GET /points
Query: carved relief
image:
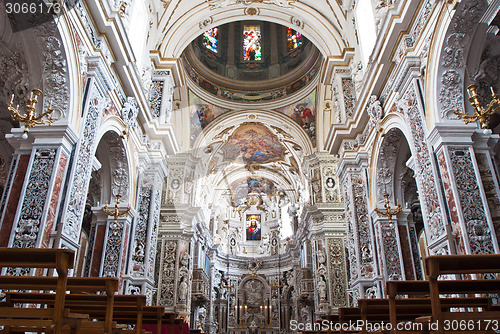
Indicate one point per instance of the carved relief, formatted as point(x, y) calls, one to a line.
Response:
point(55, 87)
point(349, 91)
point(82, 170)
point(223, 3)
point(28, 226)
point(367, 265)
point(452, 61)
point(478, 231)
point(374, 110)
point(140, 236)
point(167, 279)
point(338, 272)
point(129, 112)
point(424, 169)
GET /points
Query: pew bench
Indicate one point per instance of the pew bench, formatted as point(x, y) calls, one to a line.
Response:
point(51, 319)
point(438, 265)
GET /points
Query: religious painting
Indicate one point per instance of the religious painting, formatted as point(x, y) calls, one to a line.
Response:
point(253, 143)
point(211, 39)
point(304, 114)
point(252, 43)
point(253, 227)
point(201, 114)
point(294, 39)
point(242, 187)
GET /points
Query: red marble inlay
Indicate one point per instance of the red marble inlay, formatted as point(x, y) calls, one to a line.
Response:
point(406, 250)
point(95, 268)
point(51, 214)
point(450, 199)
point(124, 255)
point(13, 200)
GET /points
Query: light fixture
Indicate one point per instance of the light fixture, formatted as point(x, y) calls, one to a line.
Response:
point(388, 213)
point(116, 213)
point(480, 114)
point(30, 119)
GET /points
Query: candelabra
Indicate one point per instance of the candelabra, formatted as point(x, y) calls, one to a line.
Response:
point(30, 119)
point(277, 284)
point(388, 211)
point(480, 114)
point(116, 213)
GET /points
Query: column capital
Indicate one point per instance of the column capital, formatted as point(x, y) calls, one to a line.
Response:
point(352, 163)
point(55, 135)
point(446, 134)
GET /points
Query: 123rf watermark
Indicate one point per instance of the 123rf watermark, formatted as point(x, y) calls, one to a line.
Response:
point(447, 325)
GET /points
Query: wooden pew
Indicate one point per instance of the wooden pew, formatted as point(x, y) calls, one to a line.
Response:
point(75, 285)
point(79, 300)
point(409, 309)
point(438, 265)
point(59, 259)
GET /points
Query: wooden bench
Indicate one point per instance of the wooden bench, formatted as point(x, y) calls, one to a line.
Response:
point(79, 300)
point(438, 265)
point(59, 259)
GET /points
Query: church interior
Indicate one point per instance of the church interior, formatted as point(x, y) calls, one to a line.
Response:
point(248, 166)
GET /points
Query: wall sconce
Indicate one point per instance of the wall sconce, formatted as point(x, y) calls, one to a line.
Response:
point(30, 119)
point(480, 114)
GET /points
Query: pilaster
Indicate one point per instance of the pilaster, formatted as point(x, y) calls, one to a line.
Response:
point(34, 186)
point(364, 266)
point(470, 185)
point(142, 255)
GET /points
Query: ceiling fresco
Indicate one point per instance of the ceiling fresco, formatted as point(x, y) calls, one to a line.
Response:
point(241, 188)
point(201, 114)
point(253, 143)
point(304, 114)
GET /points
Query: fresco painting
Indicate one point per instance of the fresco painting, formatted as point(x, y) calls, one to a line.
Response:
point(242, 187)
point(201, 113)
point(304, 114)
point(253, 144)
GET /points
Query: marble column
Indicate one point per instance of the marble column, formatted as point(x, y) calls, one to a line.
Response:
point(116, 242)
point(364, 267)
point(389, 249)
point(470, 185)
point(34, 186)
point(424, 165)
point(141, 270)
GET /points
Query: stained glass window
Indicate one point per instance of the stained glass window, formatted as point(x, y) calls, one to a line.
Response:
point(211, 39)
point(294, 39)
point(251, 43)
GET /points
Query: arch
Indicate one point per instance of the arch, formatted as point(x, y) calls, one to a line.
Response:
point(317, 28)
point(208, 150)
point(114, 149)
point(452, 45)
point(393, 122)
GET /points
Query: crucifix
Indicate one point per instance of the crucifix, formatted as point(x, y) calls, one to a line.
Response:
point(388, 213)
point(116, 213)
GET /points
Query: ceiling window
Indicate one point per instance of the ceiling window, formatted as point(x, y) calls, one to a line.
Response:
point(294, 39)
point(211, 39)
point(252, 43)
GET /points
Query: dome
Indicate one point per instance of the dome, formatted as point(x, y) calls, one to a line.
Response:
point(251, 61)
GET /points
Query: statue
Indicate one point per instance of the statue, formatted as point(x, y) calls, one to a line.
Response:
point(183, 289)
point(305, 315)
point(321, 289)
point(321, 257)
point(374, 111)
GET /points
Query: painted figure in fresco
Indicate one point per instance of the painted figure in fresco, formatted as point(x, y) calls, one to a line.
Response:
point(253, 229)
point(306, 115)
point(205, 115)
